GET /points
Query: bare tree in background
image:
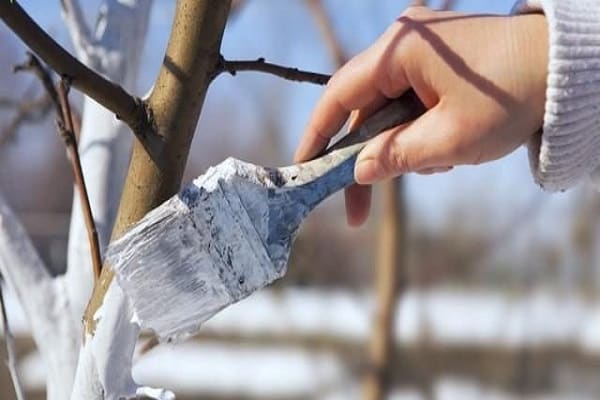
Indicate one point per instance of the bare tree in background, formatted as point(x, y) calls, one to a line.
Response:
point(391, 249)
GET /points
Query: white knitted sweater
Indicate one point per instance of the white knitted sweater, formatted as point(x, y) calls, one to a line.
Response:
point(569, 147)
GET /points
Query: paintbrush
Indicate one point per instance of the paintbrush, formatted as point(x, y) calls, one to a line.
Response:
point(229, 232)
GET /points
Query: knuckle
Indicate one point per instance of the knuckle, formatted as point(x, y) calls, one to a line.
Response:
point(399, 161)
point(333, 80)
point(415, 12)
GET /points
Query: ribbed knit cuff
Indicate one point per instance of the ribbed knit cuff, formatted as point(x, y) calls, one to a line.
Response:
point(568, 150)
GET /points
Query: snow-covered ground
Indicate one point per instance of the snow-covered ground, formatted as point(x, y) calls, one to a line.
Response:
point(450, 317)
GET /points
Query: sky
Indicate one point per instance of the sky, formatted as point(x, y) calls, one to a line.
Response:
point(283, 32)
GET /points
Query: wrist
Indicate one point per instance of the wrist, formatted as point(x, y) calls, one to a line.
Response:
point(529, 39)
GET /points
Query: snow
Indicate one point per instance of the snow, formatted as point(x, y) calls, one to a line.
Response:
point(231, 370)
point(448, 316)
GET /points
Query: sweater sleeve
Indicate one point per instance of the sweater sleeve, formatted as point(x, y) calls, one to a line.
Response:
point(568, 148)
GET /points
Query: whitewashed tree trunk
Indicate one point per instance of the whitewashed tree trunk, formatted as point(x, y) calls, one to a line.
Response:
point(113, 50)
point(55, 306)
point(45, 302)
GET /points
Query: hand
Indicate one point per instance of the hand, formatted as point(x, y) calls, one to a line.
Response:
point(482, 78)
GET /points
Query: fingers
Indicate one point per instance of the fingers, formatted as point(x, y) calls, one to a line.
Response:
point(427, 144)
point(358, 197)
point(355, 86)
point(358, 204)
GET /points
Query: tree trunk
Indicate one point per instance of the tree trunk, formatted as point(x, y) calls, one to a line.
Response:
point(390, 264)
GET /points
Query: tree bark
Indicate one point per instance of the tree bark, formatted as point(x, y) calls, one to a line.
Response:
point(390, 263)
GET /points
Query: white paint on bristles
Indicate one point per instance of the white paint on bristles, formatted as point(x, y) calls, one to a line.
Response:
point(202, 246)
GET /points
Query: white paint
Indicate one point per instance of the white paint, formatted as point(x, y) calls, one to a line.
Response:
point(201, 247)
point(44, 301)
point(114, 50)
point(105, 361)
point(105, 143)
point(11, 357)
point(158, 394)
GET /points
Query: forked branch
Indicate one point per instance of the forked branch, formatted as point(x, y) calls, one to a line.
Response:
point(112, 96)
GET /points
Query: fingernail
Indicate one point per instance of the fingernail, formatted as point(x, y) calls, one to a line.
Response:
point(368, 171)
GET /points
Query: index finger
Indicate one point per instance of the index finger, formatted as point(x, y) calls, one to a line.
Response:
point(357, 85)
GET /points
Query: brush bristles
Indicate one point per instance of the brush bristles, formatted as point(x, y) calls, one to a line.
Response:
point(190, 258)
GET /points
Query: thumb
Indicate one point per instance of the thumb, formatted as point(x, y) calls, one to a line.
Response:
point(419, 145)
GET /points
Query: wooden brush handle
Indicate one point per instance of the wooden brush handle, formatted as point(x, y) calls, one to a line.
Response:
point(314, 180)
point(402, 110)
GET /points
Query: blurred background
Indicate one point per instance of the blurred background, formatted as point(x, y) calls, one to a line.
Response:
point(473, 284)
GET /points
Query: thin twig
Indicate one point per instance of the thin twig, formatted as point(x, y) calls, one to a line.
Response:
point(66, 130)
point(260, 65)
point(331, 40)
point(6, 102)
point(33, 65)
point(10, 348)
point(27, 112)
point(50, 98)
point(112, 96)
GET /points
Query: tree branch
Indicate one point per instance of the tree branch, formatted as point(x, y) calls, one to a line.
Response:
point(10, 349)
point(260, 65)
point(67, 132)
point(33, 65)
point(6, 102)
point(128, 108)
point(35, 110)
